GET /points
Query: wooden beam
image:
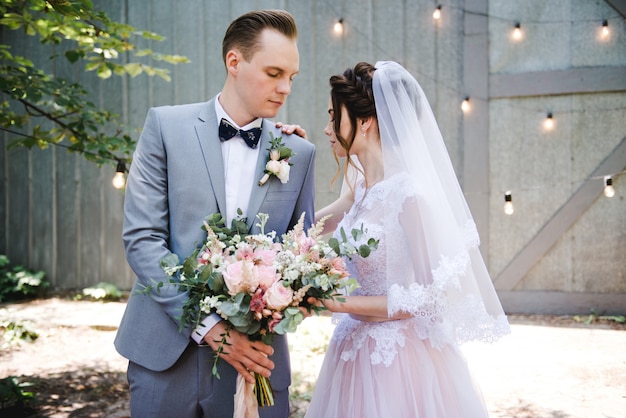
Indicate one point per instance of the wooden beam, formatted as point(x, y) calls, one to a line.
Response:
point(561, 221)
point(476, 121)
point(543, 83)
point(562, 303)
point(619, 6)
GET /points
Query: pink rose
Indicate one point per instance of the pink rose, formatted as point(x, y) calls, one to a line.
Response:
point(338, 266)
point(278, 296)
point(264, 257)
point(266, 276)
point(244, 252)
point(240, 277)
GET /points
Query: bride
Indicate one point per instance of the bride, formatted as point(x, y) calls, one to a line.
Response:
point(394, 351)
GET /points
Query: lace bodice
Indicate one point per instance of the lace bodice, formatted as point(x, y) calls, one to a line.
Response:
point(424, 286)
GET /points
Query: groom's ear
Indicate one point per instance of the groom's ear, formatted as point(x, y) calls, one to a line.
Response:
point(233, 58)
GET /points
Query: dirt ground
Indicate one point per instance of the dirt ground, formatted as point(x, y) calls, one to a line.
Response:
point(549, 367)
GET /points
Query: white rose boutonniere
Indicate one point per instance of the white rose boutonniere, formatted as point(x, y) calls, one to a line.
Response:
point(278, 161)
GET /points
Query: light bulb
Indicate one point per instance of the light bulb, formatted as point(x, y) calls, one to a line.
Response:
point(437, 13)
point(609, 190)
point(517, 31)
point(508, 204)
point(119, 180)
point(605, 29)
point(548, 124)
point(465, 105)
point(339, 27)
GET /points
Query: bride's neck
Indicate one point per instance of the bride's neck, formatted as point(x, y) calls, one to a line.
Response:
point(373, 165)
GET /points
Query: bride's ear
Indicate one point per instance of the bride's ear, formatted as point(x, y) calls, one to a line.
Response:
point(366, 123)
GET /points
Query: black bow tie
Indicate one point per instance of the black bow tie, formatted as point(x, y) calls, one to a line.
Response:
point(227, 131)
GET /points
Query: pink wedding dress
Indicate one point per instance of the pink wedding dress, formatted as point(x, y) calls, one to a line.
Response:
point(402, 368)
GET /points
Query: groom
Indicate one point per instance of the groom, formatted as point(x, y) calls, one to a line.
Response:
point(186, 166)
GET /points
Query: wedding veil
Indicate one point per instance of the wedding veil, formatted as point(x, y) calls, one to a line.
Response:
point(449, 293)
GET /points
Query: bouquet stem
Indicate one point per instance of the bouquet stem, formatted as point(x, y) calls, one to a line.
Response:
point(263, 390)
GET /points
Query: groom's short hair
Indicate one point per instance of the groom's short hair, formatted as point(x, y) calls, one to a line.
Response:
point(243, 32)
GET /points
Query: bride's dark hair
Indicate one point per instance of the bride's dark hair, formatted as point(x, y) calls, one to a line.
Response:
point(352, 90)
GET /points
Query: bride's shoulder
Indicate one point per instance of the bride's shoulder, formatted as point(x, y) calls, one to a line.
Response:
point(403, 185)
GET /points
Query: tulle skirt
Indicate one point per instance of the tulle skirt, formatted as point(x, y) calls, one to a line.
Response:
point(420, 381)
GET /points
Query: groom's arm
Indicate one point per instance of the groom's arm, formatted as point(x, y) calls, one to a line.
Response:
point(146, 230)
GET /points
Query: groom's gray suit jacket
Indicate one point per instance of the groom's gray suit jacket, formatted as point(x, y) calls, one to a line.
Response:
point(175, 181)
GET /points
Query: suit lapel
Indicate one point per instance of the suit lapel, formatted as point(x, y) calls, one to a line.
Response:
point(207, 132)
point(258, 192)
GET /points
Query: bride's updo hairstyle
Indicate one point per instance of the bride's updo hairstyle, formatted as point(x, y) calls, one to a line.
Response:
point(352, 90)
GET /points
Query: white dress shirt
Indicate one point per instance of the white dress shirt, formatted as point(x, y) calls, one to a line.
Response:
point(239, 170)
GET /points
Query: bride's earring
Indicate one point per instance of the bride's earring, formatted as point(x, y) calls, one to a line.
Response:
point(363, 133)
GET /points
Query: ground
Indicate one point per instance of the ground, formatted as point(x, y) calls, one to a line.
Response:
point(550, 367)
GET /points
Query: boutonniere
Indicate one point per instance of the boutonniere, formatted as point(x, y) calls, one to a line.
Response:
point(278, 161)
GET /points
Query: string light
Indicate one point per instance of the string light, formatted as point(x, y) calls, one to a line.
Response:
point(437, 13)
point(339, 27)
point(465, 105)
point(609, 190)
point(548, 123)
point(508, 203)
point(119, 179)
point(605, 29)
point(517, 31)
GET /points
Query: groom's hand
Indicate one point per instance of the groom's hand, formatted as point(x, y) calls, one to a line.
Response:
point(244, 355)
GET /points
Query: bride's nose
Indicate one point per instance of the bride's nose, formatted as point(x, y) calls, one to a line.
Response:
point(328, 130)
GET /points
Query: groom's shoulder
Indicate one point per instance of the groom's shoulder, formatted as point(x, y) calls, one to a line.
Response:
point(178, 109)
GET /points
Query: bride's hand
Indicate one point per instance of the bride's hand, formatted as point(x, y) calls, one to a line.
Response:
point(332, 304)
point(292, 129)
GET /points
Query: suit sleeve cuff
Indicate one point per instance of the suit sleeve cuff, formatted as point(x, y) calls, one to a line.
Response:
point(204, 327)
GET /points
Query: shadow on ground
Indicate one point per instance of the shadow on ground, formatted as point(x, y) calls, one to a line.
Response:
point(81, 393)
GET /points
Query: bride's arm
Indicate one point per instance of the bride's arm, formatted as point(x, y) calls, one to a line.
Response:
point(364, 308)
point(336, 210)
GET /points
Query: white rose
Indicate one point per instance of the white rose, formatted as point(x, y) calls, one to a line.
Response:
point(283, 172)
point(273, 166)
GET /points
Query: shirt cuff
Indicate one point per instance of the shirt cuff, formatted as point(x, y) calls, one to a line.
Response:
point(204, 327)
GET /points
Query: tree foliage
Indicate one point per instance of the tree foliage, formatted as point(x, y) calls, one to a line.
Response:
point(39, 109)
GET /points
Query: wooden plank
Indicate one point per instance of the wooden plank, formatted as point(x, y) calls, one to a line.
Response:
point(561, 303)
point(476, 120)
point(113, 266)
point(543, 83)
point(42, 249)
point(4, 194)
point(67, 197)
point(18, 208)
point(561, 221)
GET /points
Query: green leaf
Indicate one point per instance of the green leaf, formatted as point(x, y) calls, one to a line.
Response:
point(133, 69)
point(334, 244)
point(189, 266)
point(364, 251)
point(104, 71)
point(73, 55)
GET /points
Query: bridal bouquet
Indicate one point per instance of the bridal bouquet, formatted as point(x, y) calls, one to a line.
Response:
point(258, 285)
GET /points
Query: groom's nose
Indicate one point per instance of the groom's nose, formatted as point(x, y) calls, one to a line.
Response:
point(284, 86)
